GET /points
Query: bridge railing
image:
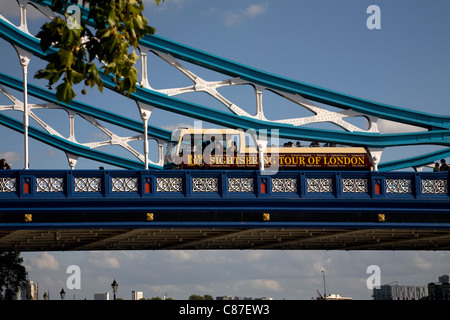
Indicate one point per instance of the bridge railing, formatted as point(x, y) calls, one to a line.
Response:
point(220, 184)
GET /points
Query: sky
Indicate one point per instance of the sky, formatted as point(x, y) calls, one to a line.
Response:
point(325, 43)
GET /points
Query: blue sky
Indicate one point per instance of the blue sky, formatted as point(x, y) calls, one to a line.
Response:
point(325, 43)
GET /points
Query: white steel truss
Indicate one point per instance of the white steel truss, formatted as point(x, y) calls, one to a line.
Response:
point(321, 114)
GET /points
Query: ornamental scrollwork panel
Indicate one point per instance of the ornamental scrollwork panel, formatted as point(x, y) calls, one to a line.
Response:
point(319, 185)
point(49, 184)
point(240, 185)
point(168, 184)
point(354, 185)
point(284, 185)
point(124, 184)
point(7, 184)
point(205, 184)
point(434, 186)
point(87, 184)
point(398, 186)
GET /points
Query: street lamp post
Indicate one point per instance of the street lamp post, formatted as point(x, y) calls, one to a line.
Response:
point(324, 287)
point(114, 287)
point(62, 293)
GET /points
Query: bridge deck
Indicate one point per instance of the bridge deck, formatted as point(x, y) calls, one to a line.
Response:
point(115, 210)
point(223, 238)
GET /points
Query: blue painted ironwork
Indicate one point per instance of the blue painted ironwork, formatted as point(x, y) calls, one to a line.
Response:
point(415, 162)
point(438, 126)
point(85, 109)
point(276, 82)
point(95, 198)
point(373, 207)
point(165, 102)
point(73, 148)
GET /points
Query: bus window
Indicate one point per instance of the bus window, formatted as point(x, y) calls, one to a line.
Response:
point(232, 144)
point(170, 152)
point(214, 145)
point(250, 140)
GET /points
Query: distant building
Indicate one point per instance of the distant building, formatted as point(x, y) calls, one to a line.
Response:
point(137, 295)
point(397, 292)
point(101, 296)
point(30, 292)
point(444, 278)
point(263, 298)
point(439, 290)
point(225, 298)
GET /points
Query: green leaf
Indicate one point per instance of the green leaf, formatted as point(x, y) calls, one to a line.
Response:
point(104, 33)
point(112, 18)
point(65, 93)
point(94, 77)
point(66, 57)
point(76, 76)
point(119, 27)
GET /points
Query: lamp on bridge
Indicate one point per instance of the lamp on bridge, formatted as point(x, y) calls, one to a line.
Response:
point(62, 293)
point(114, 287)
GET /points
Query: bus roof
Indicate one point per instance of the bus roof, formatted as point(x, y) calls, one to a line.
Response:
point(177, 133)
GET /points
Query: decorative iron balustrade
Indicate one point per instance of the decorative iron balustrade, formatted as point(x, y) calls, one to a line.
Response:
point(87, 184)
point(7, 184)
point(284, 185)
point(126, 184)
point(319, 185)
point(355, 186)
point(168, 184)
point(205, 184)
point(211, 183)
point(240, 185)
point(398, 186)
point(434, 186)
point(49, 185)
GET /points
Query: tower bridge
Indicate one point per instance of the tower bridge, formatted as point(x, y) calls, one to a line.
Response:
point(143, 206)
point(113, 210)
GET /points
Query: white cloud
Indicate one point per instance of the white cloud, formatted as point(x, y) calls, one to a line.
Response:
point(237, 17)
point(253, 287)
point(178, 256)
point(320, 266)
point(254, 256)
point(103, 260)
point(256, 9)
point(266, 284)
point(10, 156)
point(422, 262)
point(44, 262)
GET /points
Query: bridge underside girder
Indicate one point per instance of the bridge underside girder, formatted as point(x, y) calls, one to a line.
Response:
point(223, 238)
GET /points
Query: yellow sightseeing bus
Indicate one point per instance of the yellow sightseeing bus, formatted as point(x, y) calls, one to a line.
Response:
point(195, 149)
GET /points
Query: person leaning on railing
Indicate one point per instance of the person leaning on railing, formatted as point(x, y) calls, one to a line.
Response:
point(444, 166)
point(4, 165)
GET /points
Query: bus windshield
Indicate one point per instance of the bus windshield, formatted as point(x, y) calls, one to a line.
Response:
point(190, 144)
point(170, 152)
